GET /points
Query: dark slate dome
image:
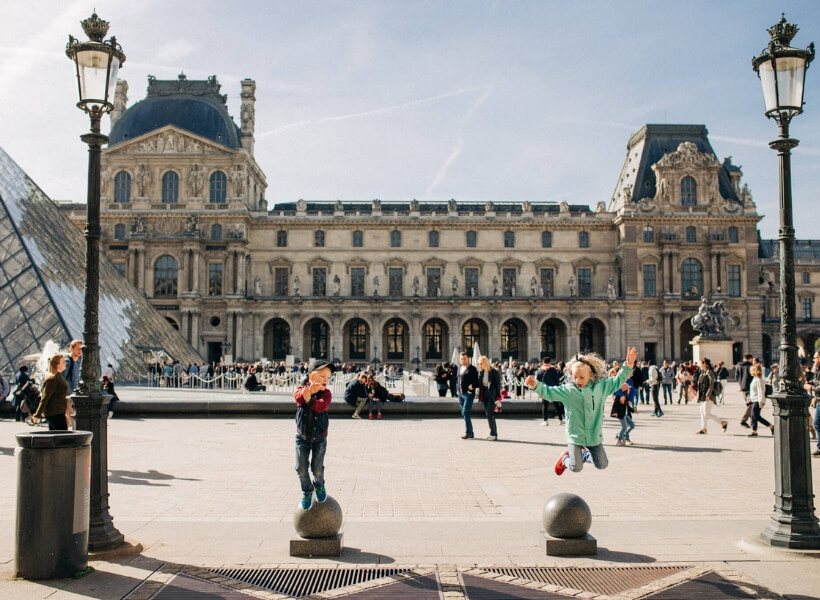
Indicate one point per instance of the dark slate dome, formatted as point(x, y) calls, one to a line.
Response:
point(195, 106)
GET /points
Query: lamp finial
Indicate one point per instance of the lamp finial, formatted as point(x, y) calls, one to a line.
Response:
point(95, 28)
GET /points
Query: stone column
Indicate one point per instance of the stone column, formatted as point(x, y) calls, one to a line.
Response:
point(240, 337)
point(141, 272)
point(196, 272)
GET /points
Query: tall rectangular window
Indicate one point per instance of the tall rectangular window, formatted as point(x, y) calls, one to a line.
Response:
point(508, 282)
point(395, 239)
point(471, 281)
point(396, 282)
point(281, 238)
point(319, 239)
point(583, 239)
point(734, 280)
point(733, 237)
point(548, 282)
point(649, 281)
point(546, 239)
point(319, 281)
point(584, 283)
point(649, 234)
point(691, 234)
point(358, 239)
point(432, 239)
point(280, 282)
point(509, 239)
point(806, 277)
point(433, 281)
point(357, 281)
point(214, 279)
point(805, 303)
point(471, 239)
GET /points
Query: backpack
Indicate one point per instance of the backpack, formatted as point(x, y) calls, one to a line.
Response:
point(717, 390)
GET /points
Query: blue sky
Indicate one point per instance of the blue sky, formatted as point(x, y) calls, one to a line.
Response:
point(472, 100)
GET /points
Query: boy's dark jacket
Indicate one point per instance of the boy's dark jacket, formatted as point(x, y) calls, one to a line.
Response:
point(311, 415)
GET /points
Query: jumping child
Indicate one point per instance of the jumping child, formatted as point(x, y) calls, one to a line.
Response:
point(583, 397)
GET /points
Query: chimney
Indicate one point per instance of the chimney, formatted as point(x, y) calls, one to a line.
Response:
point(248, 113)
point(120, 101)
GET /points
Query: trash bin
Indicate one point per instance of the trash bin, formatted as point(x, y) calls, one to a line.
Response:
point(53, 497)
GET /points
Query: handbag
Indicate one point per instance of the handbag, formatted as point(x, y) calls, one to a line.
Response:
point(769, 391)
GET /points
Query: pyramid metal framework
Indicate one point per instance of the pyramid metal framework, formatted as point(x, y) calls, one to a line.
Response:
point(42, 287)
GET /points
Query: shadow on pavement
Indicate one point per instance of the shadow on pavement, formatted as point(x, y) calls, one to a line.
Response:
point(143, 478)
point(621, 557)
point(356, 556)
point(100, 585)
point(7, 451)
point(686, 449)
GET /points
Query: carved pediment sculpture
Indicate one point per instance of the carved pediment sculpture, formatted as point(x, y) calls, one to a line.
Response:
point(687, 155)
point(646, 204)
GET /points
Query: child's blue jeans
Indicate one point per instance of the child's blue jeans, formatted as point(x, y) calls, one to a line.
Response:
point(304, 449)
point(578, 455)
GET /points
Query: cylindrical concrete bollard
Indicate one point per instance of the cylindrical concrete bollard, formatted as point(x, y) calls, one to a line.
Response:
point(53, 498)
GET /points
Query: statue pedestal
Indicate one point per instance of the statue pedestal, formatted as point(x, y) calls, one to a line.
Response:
point(715, 348)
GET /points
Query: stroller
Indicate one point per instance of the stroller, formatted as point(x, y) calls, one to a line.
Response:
point(28, 398)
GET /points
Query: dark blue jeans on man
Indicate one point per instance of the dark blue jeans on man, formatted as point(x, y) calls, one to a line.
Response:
point(466, 402)
point(310, 452)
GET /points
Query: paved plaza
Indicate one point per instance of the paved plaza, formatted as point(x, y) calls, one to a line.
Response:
point(200, 494)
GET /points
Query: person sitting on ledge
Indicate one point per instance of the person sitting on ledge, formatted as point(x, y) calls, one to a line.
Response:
point(252, 383)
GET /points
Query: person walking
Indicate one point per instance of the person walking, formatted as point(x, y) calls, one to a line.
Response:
point(54, 405)
point(757, 395)
point(706, 396)
point(549, 376)
point(744, 380)
point(622, 410)
point(684, 378)
point(467, 385)
point(655, 388)
point(667, 377)
point(21, 379)
point(812, 386)
point(489, 391)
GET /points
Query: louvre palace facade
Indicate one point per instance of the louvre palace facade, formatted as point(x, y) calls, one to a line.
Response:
point(186, 222)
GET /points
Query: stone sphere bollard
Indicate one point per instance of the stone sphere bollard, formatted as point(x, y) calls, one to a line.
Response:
point(321, 520)
point(566, 516)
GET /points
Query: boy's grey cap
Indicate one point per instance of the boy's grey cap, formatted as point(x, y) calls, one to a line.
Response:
point(322, 364)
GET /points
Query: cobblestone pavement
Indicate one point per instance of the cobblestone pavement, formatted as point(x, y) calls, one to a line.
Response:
point(212, 492)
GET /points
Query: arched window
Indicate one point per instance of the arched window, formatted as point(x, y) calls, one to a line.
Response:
point(219, 187)
point(165, 277)
point(357, 345)
point(688, 192)
point(548, 345)
point(280, 340)
point(122, 187)
point(395, 340)
point(691, 278)
point(170, 188)
point(119, 231)
point(318, 339)
point(216, 233)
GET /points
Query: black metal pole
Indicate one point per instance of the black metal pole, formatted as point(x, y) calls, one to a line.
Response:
point(793, 523)
point(90, 403)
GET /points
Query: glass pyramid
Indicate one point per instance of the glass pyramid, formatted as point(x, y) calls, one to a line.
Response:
point(42, 287)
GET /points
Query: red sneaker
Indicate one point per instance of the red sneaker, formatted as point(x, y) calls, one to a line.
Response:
point(559, 465)
point(379, 416)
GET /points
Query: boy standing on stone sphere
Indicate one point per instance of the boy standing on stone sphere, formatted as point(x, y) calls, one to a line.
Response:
point(312, 401)
point(583, 397)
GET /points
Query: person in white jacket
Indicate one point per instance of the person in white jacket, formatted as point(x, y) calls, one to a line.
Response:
point(757, 395)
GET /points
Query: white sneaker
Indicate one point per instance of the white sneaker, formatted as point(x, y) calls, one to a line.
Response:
point(545, 423)
point(630, 443)
point(492, 438)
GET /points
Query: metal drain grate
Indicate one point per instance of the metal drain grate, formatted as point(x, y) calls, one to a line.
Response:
point(600, 580)
point(298, 583)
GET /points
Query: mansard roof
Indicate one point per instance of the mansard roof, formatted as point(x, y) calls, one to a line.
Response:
point(439, 207)
point(649, 145)
point(195, 106)
point(804, 250)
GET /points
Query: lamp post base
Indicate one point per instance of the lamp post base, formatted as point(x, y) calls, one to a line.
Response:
point(92, 415)
point(793, 523)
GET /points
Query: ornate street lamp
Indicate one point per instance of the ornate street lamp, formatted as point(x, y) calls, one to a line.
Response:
point(97, 63)
point(782, 71)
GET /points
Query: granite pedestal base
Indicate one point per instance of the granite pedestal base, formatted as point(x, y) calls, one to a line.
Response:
point(329, 546)
point(580, 546)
